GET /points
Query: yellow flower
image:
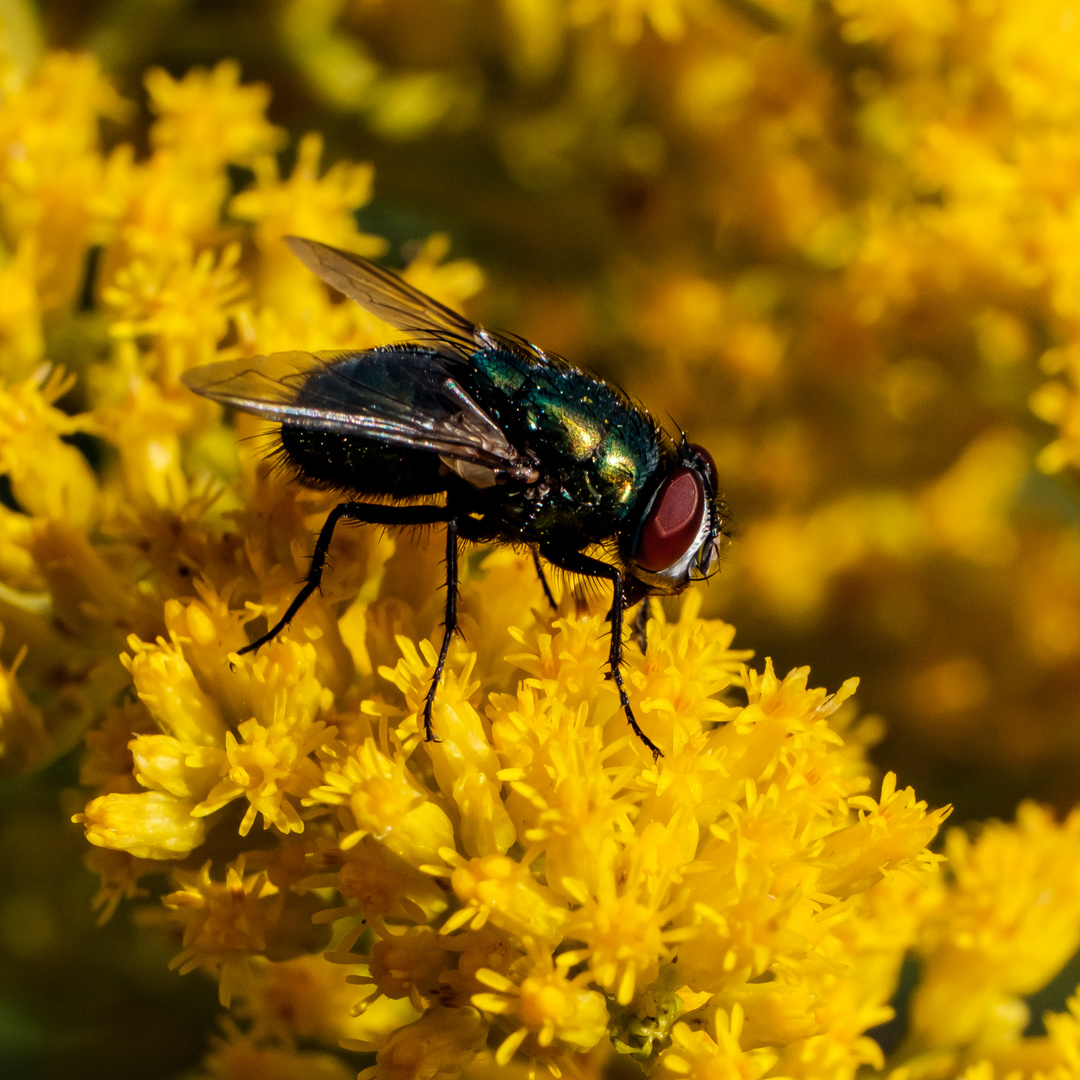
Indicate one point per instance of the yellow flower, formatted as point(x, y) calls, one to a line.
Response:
point(666, 17)
point(21, 334)
point(384, 800)
point(49, 477)
point(23, 739)
point(54, 180)
point(146, 824)
point(185, 309)
point(306, 205)
point(440, 1044)
point(553, 1011)
point(715, 1054)
point(208, 117)
point(503, 891)
point(238, 1054)
point(1007, 924)
point(226, 923)
point(198, 757)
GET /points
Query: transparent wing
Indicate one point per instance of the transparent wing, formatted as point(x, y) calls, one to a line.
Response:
point(263, 385)
point(396, 302)
point(402, 396)
point(384, 294)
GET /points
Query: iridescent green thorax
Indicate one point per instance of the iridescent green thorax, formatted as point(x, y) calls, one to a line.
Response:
point(597, 452)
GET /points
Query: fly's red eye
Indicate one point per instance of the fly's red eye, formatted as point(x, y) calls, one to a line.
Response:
point(673, 522)
point(706, 459)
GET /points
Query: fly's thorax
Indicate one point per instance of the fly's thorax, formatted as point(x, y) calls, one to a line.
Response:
point(591, 447)
point(564, 416)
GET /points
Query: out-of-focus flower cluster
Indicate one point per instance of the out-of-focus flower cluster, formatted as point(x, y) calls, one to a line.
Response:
point(533, 891)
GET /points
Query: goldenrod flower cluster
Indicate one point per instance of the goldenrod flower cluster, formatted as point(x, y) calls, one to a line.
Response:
point(532, 893)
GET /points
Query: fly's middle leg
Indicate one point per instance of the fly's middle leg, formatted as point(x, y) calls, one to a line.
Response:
point(449, 623)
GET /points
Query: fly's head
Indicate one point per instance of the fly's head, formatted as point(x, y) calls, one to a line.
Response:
point(677, 536)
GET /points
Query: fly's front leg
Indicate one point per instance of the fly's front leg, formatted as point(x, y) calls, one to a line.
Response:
point(578, 563)
point(368, 513)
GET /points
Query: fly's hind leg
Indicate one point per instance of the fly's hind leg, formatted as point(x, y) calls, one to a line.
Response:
point(366, 513)
point(380, 514)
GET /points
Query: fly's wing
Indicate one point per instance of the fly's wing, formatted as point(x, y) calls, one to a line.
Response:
point(396, 302)
point(384, 294)
point(405, 396)
point(264, 385)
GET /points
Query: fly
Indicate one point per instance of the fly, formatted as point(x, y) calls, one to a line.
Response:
point(488, 435)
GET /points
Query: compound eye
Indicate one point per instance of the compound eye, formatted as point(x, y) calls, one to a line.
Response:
point(673, 522)
point(706, 460)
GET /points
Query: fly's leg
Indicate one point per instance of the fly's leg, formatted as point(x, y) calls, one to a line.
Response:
point(543, 580)
point(367, 513)
point(577, 563)
point(640, 626)
point(449, 623)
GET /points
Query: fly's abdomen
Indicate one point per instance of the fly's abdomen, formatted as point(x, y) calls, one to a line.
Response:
point(382, 390)
point(360, 466)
